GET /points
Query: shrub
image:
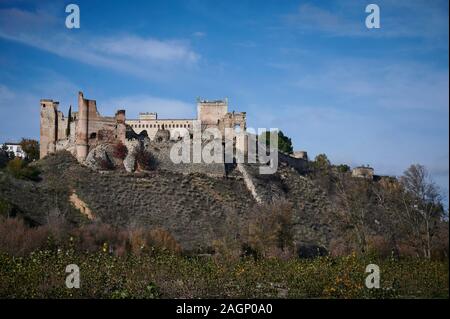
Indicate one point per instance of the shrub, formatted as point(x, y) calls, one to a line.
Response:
point(17, 239)
point(145, 160)
point(120, 151)
point(146, 241)
point(270, 231)
point(5, 208)
point(20, 169)
point(100, 237)
point(105, 164)
point(163, 240)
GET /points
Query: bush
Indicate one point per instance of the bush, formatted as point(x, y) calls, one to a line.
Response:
point(105, 164)
point(120, 151)
point(270, 231)
point(146, 241)
point(100, 237)
point(17, 239)
point(145, 160)
point(20, 169)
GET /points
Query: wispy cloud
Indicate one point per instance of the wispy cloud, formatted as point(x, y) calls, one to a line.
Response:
point(143, 56)
point(145, 48)
point(199, 34)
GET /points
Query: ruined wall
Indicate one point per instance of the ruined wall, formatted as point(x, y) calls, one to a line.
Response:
point(160, 148)
point(87, 128)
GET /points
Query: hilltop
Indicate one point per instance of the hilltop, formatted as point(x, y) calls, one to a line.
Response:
point(195, 208)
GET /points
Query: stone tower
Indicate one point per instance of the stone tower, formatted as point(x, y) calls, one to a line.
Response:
point(48, 127)
point(211, 112)
point(82, 128)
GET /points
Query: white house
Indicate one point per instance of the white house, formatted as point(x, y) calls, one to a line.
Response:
point(15, 148)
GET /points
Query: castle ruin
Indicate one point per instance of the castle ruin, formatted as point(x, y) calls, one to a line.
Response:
point(83, 130)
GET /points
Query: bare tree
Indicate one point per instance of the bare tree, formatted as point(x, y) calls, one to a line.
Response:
point(354, 205)
point(422, 205)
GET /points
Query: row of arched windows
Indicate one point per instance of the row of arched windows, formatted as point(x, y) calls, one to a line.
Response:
point(160, 125)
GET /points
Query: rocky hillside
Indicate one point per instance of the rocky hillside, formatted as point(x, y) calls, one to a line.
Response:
point(195, 208)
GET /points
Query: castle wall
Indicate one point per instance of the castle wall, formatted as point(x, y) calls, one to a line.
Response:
point(61, 126)
point(177, 127)
point(161, 149)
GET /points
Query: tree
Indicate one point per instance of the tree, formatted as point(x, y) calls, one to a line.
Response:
point(31, 149)
point(343, 168)
point(69, 120)
point(321, 163)
point(354, 198)
point(284, 142)
point(422, 203)
point(321, 172)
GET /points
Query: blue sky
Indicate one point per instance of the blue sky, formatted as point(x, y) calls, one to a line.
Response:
point(310, 68)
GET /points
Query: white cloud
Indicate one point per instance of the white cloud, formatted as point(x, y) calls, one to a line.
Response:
point(142, 56)
point(145, 48)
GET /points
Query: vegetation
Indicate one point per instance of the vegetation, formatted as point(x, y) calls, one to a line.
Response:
point(398, 224)
point(284, 142)
point(33, 263)
point(395, 216)
point(145, 160)
point(120, 151)
point(31, 149)
point(19, 168)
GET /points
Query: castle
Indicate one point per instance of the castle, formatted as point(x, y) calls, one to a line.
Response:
point(82, 131)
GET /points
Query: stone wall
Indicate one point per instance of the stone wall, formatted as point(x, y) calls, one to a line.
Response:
point(161, 149)
point(300, 164)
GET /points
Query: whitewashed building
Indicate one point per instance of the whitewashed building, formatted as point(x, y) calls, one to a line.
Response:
point(14, 148)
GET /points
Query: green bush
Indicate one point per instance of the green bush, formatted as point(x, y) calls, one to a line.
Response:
point(20, 169)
